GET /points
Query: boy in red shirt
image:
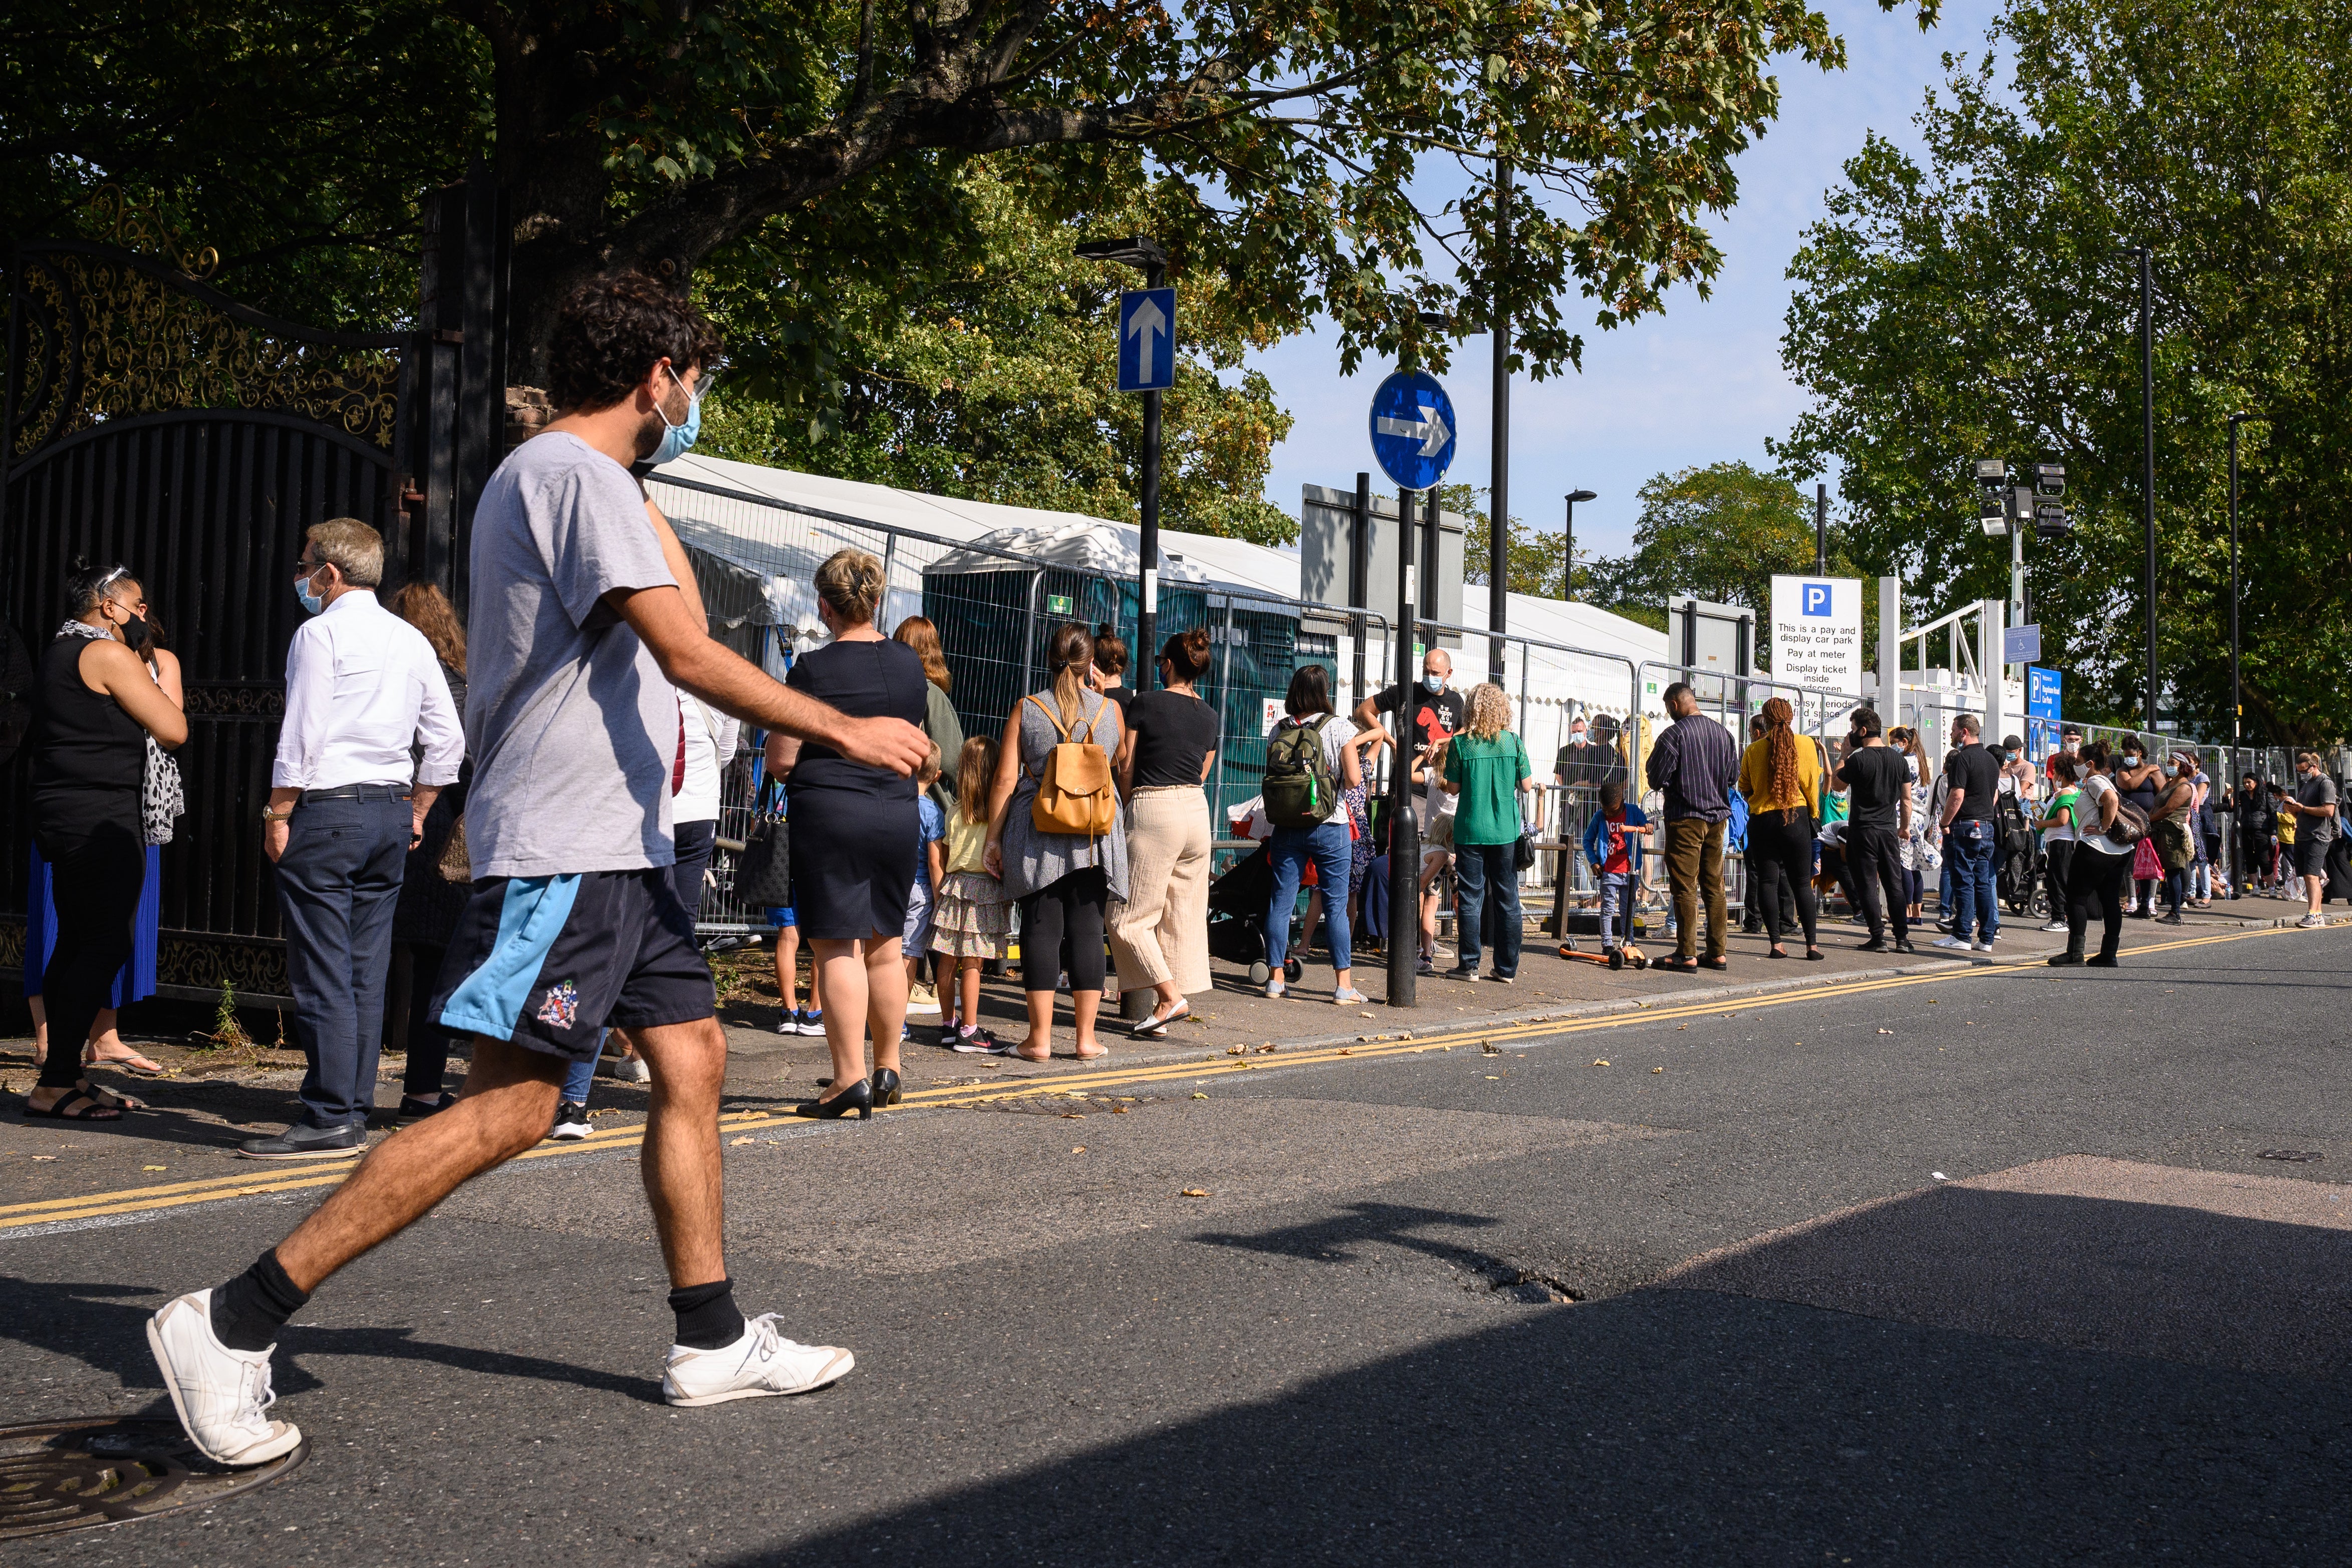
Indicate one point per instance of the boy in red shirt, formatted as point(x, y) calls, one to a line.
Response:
point(1612, 844)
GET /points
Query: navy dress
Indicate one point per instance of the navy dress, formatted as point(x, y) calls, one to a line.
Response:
point(855, 831)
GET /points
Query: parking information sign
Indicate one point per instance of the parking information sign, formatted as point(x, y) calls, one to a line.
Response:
point(1412, 429)
point(1146, 339)
point(1817, 632)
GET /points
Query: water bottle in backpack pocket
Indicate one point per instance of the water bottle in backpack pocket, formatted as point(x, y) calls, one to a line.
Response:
point(1300, 790)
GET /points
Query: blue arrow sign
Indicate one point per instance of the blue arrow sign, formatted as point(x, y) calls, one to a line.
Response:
point(1412, 429)
point(1146, 339)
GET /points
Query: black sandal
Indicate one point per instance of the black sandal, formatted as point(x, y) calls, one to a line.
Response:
point(94, 1109)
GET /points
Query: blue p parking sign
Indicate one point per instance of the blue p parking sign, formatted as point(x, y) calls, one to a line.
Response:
point(1816, 600)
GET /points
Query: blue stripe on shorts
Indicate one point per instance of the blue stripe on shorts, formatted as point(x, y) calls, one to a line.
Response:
point(490, 1000)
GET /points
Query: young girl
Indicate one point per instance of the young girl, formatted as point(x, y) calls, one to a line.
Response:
point(971, 920)
point(915, 942)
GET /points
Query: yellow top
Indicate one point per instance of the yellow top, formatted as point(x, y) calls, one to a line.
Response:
point(965, 842)
point(1755, 778)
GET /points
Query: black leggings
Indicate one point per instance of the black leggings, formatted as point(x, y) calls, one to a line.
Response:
point(2059, 854)
point(1062, 929)
point(95, 885)
point(1780, 847)
point(2095, 884)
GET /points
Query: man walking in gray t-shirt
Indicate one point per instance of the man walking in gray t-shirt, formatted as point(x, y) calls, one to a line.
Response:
point(578, 635)
point(2313, 804)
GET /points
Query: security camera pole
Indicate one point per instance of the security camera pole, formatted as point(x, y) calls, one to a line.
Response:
point(1147, 363)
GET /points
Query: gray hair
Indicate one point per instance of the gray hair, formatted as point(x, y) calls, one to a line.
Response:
point(350, 547)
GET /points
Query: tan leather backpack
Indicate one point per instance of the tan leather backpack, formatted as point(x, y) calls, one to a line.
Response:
point(1074, 787)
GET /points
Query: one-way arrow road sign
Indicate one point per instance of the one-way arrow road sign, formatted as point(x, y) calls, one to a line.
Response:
point(1412, 429)
point(1146, 339)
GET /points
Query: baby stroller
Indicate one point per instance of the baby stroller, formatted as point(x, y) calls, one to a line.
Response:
point(2020, 878)
point(1237, 903)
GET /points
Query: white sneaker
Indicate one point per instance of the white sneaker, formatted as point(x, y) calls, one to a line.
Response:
point(2058, 927)
point(626, 1069)
point(922, 998)
point(762, 1363)
point(1958, 941)
point(223, 1395)
point(2310, 922)
point(1984, 947)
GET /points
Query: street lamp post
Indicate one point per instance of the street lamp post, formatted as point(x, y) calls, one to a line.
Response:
point(2237, 708)
point(1499, 491)
point(2148, 458)
point(1143, 253)
point(1567, 546)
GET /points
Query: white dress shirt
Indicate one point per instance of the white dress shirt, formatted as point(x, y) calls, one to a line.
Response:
point(363, 686)
point(711, 738)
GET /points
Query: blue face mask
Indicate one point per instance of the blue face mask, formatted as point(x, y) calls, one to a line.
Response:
point(310, 602)
point(678, 440)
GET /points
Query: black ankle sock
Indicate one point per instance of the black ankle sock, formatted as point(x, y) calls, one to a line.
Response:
point(249, 1309)
point(706, 1318)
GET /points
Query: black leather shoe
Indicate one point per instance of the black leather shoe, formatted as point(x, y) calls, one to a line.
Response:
point(301, 1142)
point(885, 1087)
point(859, 1097)
point(1904, 946)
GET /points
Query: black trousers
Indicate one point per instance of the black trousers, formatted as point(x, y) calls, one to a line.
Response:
point(1781, 849)
point(1874, 857)
point(94, 883)
point(1062, 929)
point(2095, 884)
point(2059, 855)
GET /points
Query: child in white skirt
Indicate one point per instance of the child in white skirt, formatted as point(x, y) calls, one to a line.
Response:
point(972, 920)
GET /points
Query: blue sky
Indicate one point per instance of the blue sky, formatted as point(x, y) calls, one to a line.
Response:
point(1699, 384)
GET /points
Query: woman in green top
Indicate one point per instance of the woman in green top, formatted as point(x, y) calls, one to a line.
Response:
point(1486, 769)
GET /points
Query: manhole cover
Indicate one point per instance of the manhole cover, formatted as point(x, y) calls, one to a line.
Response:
point(2291, 1156)
point(104, 1469)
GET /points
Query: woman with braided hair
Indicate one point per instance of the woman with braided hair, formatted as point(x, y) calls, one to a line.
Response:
point(1783, 782)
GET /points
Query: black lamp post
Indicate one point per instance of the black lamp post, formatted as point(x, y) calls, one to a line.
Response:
point(1568, 545)
point(1144, 254)
point(2237, 708)
point(2147, 460)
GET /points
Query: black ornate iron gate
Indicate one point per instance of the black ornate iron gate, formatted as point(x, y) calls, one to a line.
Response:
point(153, 420)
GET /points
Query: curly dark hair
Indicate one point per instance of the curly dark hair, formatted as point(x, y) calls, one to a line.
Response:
point(613, 330)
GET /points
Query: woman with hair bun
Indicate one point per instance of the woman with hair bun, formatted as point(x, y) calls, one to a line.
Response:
point(855, 833)
point(1062, 882)
point(1160, 934)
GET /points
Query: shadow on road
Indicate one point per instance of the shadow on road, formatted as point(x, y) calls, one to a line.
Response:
point(1700, 1426)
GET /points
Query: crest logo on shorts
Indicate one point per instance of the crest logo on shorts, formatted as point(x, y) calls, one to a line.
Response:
point(561, 1008)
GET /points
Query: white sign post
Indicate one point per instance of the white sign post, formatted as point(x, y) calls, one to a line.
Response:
point(1817, 632)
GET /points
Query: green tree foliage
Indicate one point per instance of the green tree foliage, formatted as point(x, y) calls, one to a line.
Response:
point(1717, 532)
point(1984, 305)
point(657, 136)
point(993, 379)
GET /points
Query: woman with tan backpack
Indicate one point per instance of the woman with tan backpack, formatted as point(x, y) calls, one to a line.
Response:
point(1055, 840)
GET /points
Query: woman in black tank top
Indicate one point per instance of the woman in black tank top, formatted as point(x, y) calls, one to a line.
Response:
point(93, 707)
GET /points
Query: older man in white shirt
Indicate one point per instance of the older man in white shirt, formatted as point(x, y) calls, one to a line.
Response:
point(347, 799)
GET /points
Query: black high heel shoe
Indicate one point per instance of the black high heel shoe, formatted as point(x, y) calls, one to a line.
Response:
point(857, 1097)
point(885, 1083)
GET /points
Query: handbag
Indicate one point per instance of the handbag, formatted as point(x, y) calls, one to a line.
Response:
point(763, 871)
point(1074, 789)
point(161, 799)
point(456, 864)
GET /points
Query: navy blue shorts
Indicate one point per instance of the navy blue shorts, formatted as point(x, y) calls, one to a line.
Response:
point(549, 962)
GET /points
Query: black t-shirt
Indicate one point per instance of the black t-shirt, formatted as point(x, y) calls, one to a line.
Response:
point(882, 679)
point(1445, 711)
point(1977, 771)
point(1122, 695)
point(1585, 763)
point(1174, 734)
point(1876, 778)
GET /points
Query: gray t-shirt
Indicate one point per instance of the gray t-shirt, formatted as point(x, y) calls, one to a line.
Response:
point(572, 727)
point(2317, 790)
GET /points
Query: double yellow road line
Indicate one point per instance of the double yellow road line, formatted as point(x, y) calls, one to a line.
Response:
point(267, 1181)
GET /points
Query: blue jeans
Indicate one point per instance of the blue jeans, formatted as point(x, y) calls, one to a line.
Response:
point(1487, 895)
point(338, 883)
point(1971, 857)
point(1291, 848)
point(579, 1076)
point(1617, 895)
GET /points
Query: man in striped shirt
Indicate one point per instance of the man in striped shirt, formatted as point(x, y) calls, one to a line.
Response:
point(1695, 762)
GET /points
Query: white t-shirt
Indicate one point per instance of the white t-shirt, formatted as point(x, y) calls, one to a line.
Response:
point(2094, 786)
point(711, 738)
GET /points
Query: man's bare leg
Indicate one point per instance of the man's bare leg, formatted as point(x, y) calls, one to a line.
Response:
point(509, 1096)
point(681, 1161)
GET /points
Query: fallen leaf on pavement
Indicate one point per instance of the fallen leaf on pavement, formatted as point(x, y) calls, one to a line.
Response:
point(1492, 1079)
point(45, 1156)
point(1119, 1111)
point(1198, 1095)
point(1193, 1193)
point(1601, 1061)
point(154, 1167)
point(1073, 1116)
point(1346, 1050)
point(1886, 1031)
point(1080, 1150)
point(1235, 1050)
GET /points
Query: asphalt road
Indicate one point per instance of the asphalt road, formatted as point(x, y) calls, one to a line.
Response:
point(1983, 1268)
